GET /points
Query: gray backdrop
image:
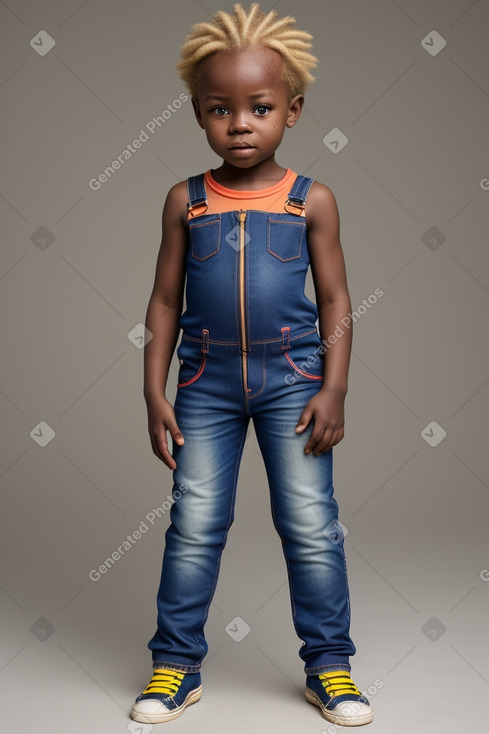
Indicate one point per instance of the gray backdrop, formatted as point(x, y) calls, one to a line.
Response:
point(406, 83)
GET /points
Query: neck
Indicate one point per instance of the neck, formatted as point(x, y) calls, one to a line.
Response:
point(261, 176)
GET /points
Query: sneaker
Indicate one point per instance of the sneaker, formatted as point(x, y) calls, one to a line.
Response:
point(338, 698)
point(167, 696)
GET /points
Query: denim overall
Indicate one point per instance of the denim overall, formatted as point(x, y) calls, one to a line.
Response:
point(250, 348)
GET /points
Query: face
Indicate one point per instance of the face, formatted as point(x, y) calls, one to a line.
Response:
point(243, 105)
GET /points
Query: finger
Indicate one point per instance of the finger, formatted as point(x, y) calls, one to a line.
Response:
point(177, 438)
point(304, 420)
point(327, 444)
point(168, 459)
point(322, 447)
point(319, 436)
point(162, 450)
point(175, 432)
point(166, 456)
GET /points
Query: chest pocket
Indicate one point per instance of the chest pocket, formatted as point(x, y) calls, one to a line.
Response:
point(285, 236)
point(205, 236)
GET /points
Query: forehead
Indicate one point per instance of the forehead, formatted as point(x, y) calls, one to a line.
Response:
point(253, 67)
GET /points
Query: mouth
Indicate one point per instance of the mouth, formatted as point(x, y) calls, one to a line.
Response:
point(241, 147)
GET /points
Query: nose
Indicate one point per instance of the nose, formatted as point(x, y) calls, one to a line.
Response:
point(240, 122)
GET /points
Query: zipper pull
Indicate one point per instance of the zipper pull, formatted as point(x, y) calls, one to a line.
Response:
point(241, 215)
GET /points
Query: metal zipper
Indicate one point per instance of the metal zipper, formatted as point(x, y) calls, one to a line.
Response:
point(242, 302)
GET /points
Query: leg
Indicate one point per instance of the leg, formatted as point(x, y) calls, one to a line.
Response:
point(303, 506)
point(205, 484)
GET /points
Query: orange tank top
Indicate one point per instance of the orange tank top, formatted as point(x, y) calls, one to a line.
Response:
point(271, 199)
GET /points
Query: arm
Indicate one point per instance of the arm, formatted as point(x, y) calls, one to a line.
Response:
point(333, 302)
point(162, 320)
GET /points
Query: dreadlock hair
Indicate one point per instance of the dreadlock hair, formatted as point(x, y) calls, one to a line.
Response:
point(232, 33)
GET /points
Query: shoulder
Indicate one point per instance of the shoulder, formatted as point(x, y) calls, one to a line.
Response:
point(321, 205)
point(177, 194)
point(176, 202)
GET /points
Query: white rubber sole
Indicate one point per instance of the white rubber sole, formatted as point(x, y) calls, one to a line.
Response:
point(334, 718)
point(159, 718)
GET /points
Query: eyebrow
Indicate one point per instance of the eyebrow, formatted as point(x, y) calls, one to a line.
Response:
point(265, 93)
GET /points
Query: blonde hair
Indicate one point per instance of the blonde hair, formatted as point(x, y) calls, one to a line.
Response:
point(233, 33)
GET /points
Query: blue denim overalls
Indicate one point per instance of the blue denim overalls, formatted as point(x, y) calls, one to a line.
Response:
point(250, 348)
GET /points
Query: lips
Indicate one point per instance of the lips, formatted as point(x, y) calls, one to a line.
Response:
point(233, 147)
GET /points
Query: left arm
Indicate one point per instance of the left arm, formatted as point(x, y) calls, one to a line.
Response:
point(333, 302)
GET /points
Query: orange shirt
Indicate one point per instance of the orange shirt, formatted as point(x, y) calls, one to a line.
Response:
point(271, 199)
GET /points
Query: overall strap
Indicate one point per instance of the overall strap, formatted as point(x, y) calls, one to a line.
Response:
point(297, 196)
point(197, 195)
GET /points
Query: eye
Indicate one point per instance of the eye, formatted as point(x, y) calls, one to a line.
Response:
point(220, 111)
point(262, 109)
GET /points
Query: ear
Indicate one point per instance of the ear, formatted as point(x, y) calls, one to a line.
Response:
point(296, 105)
point(198, 116)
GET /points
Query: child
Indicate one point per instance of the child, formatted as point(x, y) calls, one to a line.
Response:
point(243, 235)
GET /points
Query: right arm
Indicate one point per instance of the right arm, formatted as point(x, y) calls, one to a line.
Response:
point(162, 320)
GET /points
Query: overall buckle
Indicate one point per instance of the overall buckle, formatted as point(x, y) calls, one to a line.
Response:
point(194, 210)
point(291, 205)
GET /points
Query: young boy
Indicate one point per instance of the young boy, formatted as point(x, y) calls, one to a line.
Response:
point(242, 236)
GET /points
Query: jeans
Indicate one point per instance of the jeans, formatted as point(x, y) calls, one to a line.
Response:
point(213, 412)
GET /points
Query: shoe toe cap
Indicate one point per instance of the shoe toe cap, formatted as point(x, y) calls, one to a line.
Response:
point(149, 706)
point(352, 710)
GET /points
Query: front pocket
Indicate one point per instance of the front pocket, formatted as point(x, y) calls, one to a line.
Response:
point(195, 377)
point(205, 236)
point(285, 236)
point(301, 366)
point(192, 360)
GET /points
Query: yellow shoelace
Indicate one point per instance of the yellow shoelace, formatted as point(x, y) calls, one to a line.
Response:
point(164, 681)
point(338, 683)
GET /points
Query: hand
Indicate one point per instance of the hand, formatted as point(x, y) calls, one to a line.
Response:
point(327, 409)
point(161, 418)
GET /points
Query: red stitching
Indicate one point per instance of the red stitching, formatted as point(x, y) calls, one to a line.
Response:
point(301, 372)
point(197, 374)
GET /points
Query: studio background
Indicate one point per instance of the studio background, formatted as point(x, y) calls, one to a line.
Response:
point(403, 88)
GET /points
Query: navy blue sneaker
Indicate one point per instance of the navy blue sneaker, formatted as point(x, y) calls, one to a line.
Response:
point(167, 696)
point(338, 698)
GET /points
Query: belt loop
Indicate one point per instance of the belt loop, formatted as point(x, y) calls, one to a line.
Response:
point(285, 337)
point(205, 341)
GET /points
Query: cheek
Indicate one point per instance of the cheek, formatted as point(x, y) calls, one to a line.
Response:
point(214, 126)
